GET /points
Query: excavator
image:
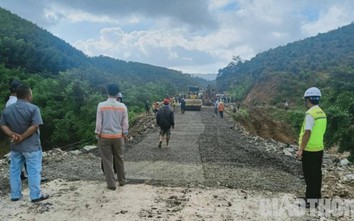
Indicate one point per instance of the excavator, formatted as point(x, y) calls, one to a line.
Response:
point(194, 99)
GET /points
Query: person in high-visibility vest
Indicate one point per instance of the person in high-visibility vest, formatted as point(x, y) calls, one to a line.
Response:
point(311, 145)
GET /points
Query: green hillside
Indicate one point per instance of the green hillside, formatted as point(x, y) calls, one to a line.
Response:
point(303, 60)
point(284, 73)
point(24, 45)
point(68, 85)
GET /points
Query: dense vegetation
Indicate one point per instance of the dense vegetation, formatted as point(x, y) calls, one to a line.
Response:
point(67, 85)
point(325, 61)
point(304, 60)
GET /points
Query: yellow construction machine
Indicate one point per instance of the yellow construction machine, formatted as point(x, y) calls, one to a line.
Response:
point(194, 99)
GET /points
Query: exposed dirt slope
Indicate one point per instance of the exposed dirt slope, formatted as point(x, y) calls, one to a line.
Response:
point(263, 92)
point(259, 122)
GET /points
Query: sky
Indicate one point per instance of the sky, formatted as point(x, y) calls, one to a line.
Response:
point(191, 36)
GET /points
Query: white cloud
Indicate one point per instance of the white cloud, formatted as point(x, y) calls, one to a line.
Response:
point(187, 35)
point(154, 47)
point(332, 18)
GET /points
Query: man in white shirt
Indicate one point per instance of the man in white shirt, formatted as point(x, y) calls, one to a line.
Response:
point(111, 132)
point(12, 98)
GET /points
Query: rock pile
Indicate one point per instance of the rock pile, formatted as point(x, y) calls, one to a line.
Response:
point(141, 124)
point(338, 172)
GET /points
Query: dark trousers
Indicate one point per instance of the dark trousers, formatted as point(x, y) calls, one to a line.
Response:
point(221, 114)
point(312, 168)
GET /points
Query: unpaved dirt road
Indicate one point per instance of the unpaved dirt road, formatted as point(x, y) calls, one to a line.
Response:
point(207, 150)
point(211, 171)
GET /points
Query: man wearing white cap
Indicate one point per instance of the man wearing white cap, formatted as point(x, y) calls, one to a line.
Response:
point(311, 145)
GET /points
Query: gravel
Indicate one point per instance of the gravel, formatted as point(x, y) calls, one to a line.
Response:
point(205, 151)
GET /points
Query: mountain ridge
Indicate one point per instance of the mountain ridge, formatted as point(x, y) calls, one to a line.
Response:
point(297, 60)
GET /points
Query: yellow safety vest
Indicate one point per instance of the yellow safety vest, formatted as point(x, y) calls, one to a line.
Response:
point(316, 139)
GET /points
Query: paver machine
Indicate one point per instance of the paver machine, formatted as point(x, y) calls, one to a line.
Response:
point(194, 99)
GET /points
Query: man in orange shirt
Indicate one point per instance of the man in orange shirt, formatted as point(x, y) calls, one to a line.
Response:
point(221, 108)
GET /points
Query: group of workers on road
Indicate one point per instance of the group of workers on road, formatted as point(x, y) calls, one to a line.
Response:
point(20, 121)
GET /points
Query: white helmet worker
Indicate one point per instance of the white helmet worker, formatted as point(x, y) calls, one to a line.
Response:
point(120, 97)
point(312, 92)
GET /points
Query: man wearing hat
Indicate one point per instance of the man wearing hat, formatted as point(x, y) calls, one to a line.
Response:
point(165, 120)
point(311, 146)
point(120, 97)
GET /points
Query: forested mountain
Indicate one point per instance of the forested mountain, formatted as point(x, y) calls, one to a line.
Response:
point(67, 85)
point(140, 73)
point(284, 73)
point(299, 60)
point(24, 45)
point(209, 77)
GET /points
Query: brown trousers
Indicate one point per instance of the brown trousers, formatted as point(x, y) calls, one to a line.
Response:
point(109, 148)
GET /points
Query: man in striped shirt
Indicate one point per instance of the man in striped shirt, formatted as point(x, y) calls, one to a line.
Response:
point(111, 132)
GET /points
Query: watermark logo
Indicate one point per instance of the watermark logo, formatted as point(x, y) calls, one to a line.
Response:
point(290, 207)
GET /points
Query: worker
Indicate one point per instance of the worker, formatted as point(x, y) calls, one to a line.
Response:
point(120, 97)
point(165, 120)
point(172, 103)
point(156, 107)
point(216, 107)
point(286, 105)
point(183, 106)
point(147, 107)
point(221, 108)
point(311, 145)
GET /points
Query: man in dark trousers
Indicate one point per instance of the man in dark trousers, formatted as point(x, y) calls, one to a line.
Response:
point(147, 107)
point(183, 106)
point(165, 120)
point(311, 146)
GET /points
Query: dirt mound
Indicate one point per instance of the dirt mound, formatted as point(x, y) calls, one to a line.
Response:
point(141, 124)
point(260, 122)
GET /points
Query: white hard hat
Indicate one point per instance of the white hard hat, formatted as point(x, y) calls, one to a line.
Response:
point(313, 92)
point(120, 94)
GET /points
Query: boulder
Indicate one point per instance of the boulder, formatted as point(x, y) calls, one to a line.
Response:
point(87, 149)
point(344, 162)
point(291, 150)
point(287, 152)
point(347, 178)
point(75, 152)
